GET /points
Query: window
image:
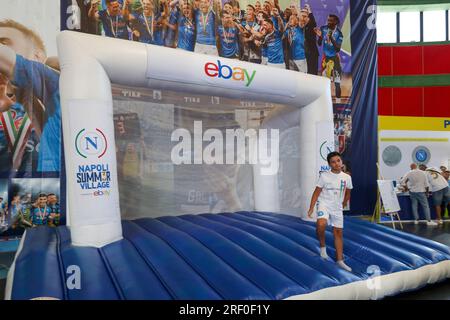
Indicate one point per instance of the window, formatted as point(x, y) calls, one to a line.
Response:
point(427, 25)
point(434, 25)
point(386, 27)
point(409, 26)
point(448, 25)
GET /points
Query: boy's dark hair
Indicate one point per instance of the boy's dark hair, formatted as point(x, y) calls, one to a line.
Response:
point(333, 154)
point(41, 195)
point(51, 194)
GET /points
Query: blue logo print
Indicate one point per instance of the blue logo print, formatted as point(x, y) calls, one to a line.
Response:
point(421, 155)
point(320, 213)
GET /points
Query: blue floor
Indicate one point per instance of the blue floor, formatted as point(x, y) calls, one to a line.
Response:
point(245, 255)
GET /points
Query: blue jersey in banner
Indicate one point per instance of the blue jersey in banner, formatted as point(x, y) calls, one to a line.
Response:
point(275, 21)
point(148, 31)
point(186, 33)
point(170, 34)
point(206, 27)
point(274, 45)
point(55, 215)
point(114, 26)
point(328, 47)
point(40, 215)
point(229, 41)
point(45, 84)
point(296, 40)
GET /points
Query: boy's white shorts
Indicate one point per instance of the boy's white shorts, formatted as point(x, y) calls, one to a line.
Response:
point(335, 218)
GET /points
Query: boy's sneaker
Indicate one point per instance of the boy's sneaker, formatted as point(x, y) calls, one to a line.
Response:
point(431, 223)
point(416, 221)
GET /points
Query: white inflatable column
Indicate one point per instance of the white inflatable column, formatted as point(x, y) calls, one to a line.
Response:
point(89, 144)
point(316, 139)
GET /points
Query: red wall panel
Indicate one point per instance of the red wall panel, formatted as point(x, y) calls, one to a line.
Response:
point(385, 61)
point(385, 107)
point(414, 60)
point(436, 59)
point(407, 60)
point(408, 102)
point(437, 102)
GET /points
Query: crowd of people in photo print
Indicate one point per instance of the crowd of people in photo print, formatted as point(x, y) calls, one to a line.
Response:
point(261, 32)
point(33, 203)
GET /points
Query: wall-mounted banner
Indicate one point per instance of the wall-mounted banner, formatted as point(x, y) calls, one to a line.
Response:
point(31, 194)
point(330, 38)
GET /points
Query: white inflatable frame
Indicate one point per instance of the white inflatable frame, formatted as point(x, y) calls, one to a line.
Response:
point(90, 63)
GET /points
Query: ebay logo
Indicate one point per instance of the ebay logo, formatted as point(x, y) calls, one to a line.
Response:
point(224, 71)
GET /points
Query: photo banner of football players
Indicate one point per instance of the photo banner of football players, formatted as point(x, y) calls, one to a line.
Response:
point(309, 36)
point(30, 115)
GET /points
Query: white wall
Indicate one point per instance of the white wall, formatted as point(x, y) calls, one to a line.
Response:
point(43, 16)
point(437, 142)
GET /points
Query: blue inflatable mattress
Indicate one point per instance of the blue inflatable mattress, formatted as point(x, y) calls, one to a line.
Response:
point(243, 255)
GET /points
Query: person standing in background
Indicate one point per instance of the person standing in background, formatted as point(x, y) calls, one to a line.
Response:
point(249, 30)
point(295, 36)
point(273, 41)
point(115, 25)
point(41, 211)
point(169, 39)
point(417, 183)
point(3, 211)
point(446, 175)
point(440, 189)
point(311, 50)
point(228, 34)
point(185, 25)
point(147, 24)
point(55, 215)
point(331, 37)
point(206, 20)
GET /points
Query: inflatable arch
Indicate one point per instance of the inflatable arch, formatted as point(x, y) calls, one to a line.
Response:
point(89, 64)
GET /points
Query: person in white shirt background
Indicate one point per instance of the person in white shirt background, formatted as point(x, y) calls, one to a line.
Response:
point(331, 195)
point(446, 174)
point(439, 188)
point(416, 182)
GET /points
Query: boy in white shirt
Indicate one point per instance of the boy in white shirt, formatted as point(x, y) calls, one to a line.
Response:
point(332, 194)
